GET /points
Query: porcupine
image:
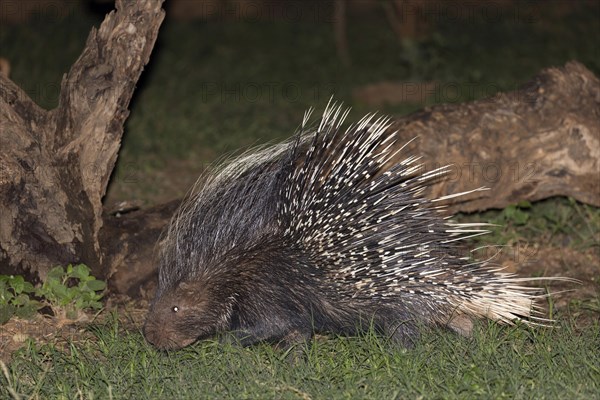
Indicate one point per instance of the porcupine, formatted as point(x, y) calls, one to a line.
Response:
point(323, 233)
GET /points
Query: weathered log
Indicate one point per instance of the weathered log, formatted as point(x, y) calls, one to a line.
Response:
point(129, 244)
point(537, 142)
point(55, 165)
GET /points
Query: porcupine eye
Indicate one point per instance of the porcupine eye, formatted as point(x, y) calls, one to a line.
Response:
point(175, 309)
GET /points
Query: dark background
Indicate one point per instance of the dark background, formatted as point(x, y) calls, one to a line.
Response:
point(226, 75)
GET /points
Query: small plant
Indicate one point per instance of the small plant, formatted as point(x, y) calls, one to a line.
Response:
point(68, 291)
point(515, 214)
point(15, 298)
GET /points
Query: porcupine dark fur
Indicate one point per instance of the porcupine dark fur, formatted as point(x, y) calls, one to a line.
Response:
point(321, 234)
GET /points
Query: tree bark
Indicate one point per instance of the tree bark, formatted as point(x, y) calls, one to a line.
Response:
point(340, 33)
point(55, 165)
point(537, 142)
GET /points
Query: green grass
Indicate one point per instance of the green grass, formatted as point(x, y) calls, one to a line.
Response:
point(559, 222)
point(498, 362)
point(534, 235)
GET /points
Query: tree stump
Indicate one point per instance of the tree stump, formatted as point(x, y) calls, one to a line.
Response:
point(55, 165)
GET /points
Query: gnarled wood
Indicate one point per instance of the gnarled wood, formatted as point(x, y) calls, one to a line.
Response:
point(540, 141)
point(55, 165)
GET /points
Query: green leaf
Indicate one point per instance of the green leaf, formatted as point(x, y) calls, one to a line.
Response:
point(6, 313)
point(520, 217)
point(96, 285)
point(17, 283)
point(55, 273)
point(95, 305)
point(28, 287)
point(80, 303)
point(28, 310)
point(80, 271)
point(21, 300)
point(6, 295)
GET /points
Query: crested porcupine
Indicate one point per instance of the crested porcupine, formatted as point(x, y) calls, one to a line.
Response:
point(322, 233)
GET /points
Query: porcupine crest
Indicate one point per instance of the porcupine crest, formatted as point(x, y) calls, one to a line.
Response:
point(326, 228)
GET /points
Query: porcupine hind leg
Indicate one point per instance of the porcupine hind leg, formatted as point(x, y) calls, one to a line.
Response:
point(400, 327)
